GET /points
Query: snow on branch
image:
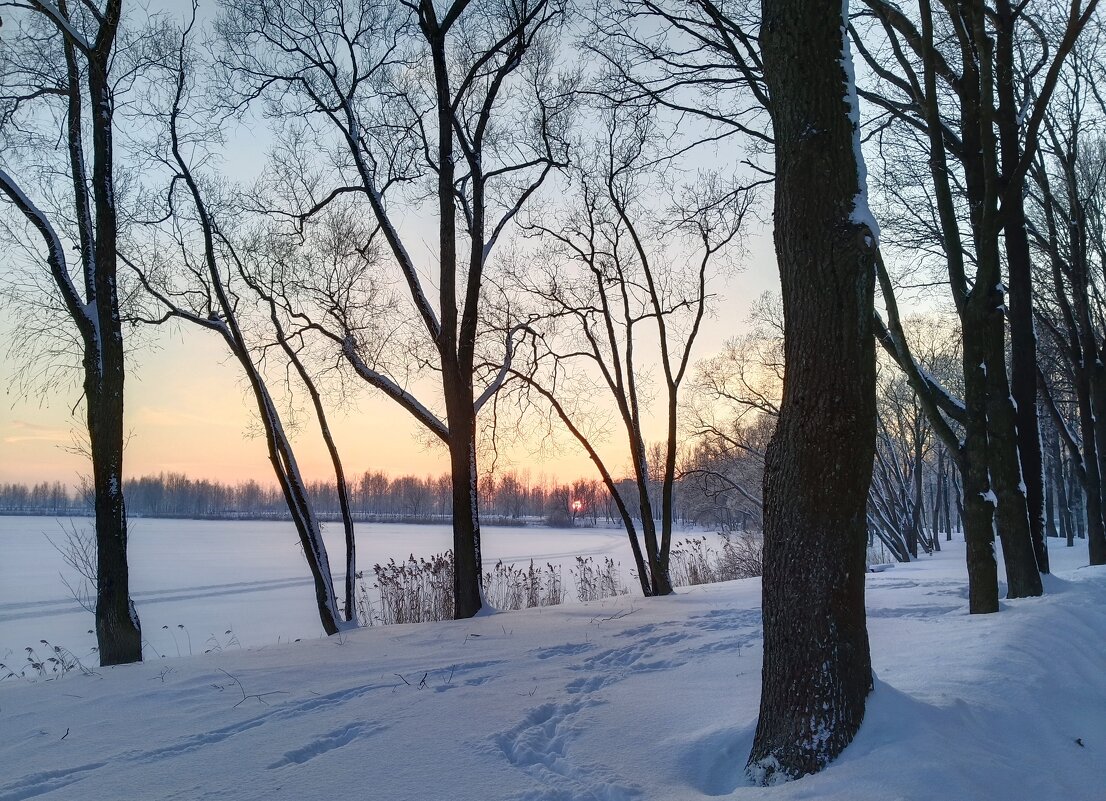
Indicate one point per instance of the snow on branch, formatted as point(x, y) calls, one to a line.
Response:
point(60, 20)
point(55, 252)
point(394, 390)
point(504, 370)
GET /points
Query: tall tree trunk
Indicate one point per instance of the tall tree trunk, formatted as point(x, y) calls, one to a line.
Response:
point(1023, 576)
point(1050, 488)
point(1023, 338)
point(984, 326)
point(1092, 467)
point(817, 666)
point(118, 632)
point(957, 482)
point(949, 480)
point(1067, 531)
point(939, 490)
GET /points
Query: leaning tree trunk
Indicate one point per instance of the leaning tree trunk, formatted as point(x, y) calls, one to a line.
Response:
point(817, 667)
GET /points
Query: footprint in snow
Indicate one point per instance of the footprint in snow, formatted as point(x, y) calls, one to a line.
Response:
point(540, 746)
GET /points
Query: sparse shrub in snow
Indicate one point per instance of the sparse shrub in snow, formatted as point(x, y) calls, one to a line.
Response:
point(366, 614)
point(695, 561)
point(421, 590)
point(507, 587)
point(594, 582)
point(78, 551)
point(218, 644)
point(56, 662)
point(417, 590)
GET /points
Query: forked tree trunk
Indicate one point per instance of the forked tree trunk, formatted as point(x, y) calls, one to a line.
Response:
point(817, 667)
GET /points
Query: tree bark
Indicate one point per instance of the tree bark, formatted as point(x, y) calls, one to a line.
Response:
point(817, 666)
point(467, 592)
point(979, 502)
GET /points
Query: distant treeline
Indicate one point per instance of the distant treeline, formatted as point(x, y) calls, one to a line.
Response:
point(504, 497)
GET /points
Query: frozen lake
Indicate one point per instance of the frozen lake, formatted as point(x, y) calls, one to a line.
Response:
point(245, 577)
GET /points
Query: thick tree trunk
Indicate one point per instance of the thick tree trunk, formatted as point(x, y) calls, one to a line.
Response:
point(977, 512)
point(658, 568)
point(817, 669)
point(1096, 495)
point(467, 595)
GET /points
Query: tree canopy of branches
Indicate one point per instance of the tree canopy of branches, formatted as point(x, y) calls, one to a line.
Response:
point(621, 275)
point(463, 108)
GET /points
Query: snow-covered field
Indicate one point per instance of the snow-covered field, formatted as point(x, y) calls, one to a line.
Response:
point(623, 699)
point(245, 577)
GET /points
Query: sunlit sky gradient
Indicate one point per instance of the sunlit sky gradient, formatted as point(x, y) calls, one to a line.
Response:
point(188, 411)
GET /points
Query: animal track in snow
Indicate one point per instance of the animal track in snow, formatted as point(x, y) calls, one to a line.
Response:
point(328, 742)
point(48, 780)
point(588, 685)
point(637, 657)
point(724, 619)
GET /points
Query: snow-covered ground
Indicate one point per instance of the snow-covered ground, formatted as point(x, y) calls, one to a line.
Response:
point(623, 699)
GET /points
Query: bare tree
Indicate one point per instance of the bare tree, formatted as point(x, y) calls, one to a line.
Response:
point(61, 67)
point(1067, 220)
point(197, 285)
point(733, 408)
point(459, 105)
point(948, 87)
point(612, 282)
